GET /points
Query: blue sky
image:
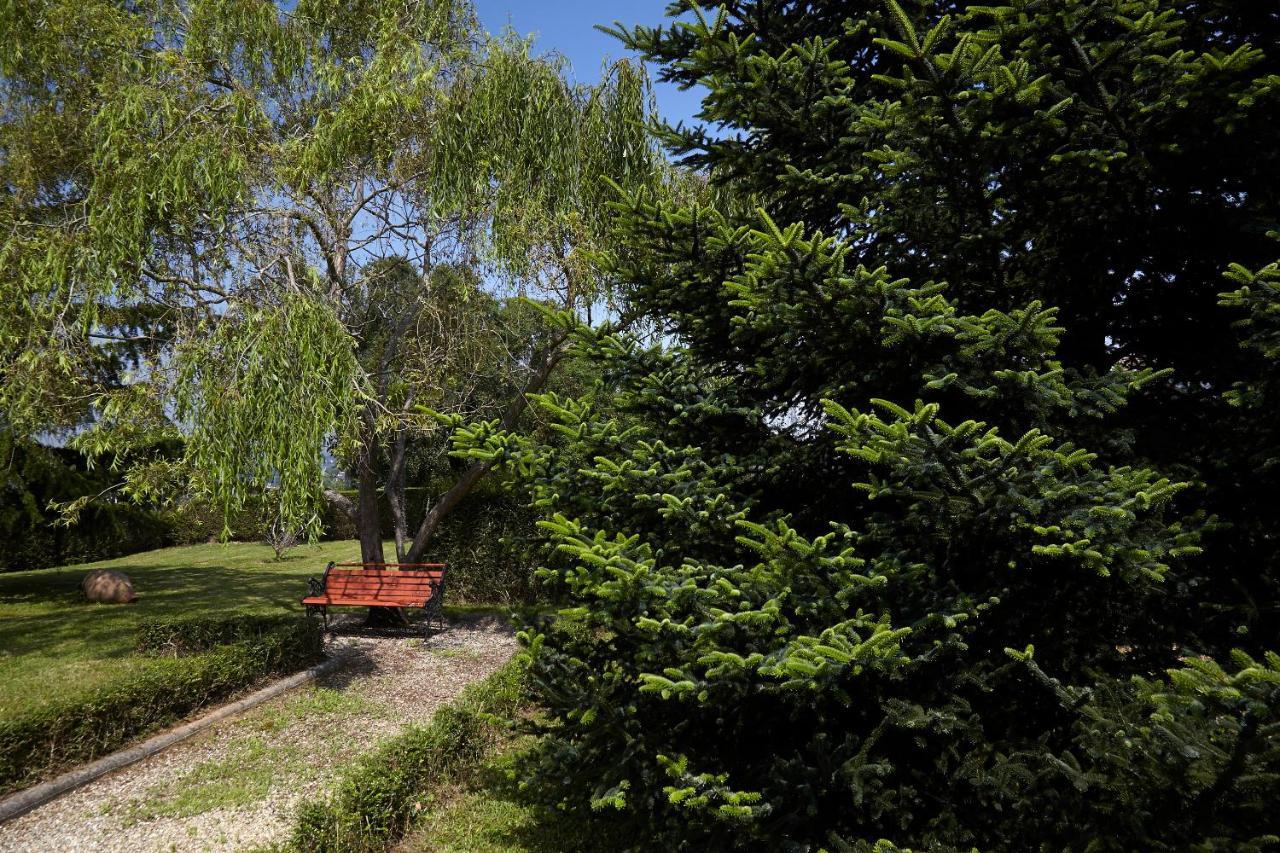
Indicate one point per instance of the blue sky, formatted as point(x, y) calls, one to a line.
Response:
point(568, 27)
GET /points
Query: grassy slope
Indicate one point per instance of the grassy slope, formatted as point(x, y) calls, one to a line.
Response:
point(53, 643)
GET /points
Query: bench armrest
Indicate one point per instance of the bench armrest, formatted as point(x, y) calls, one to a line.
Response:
point(317, 585)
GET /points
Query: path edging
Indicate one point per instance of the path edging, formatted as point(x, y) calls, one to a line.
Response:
point(21, 802)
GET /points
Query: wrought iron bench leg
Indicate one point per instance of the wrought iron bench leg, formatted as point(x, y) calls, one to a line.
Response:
point(434, 608)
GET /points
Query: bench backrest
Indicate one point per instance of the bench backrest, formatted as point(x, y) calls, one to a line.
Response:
point(403, 585)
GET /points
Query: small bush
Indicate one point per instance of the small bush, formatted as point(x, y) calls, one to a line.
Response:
point(87, 726)
point(281, 538)
point(188, 635)
point(379, 797)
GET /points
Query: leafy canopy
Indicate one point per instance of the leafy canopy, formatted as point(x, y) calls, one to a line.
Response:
point(204, 177)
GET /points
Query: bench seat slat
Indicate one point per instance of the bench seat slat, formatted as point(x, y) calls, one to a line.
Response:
point(392, 573)
point(365, 602)
point(382, 582)
point(387, 580)
point(388, 584)
point(384, 579)
point(404, 576)
point(406, 579)
point(379, 585)
point(376, 589)
point(341, 592)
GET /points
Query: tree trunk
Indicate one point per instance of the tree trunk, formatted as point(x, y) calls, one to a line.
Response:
point(546, 364)
point(368, 519)
point(396, 491)
point(369, 527)
point(445, 505)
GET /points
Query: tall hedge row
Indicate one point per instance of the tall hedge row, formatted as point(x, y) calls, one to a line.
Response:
point(31, 476)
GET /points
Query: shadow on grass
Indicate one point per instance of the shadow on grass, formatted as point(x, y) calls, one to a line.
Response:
point(168, 591)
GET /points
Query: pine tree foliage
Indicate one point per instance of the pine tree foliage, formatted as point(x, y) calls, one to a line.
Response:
point(881, 550)
point(1109, 158)
point(756, 678)
point(1257, 301)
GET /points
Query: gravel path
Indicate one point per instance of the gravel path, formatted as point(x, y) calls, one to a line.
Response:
point(238, 784)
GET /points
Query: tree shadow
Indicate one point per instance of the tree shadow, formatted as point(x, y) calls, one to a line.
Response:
point(358, 664)
point(108, 629)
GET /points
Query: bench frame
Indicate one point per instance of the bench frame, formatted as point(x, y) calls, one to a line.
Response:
point(434, 606)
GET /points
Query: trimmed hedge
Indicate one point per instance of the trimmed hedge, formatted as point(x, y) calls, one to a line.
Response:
point(380, 795)
point(103, 532)
point(197, 521)
point(85, 727)
point(187, 635)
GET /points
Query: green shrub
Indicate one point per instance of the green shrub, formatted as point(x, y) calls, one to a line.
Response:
point(197, 521)
point(87, 726)
point(188, 635)
point(103, 532)
point(483, 542)
point(378, 798)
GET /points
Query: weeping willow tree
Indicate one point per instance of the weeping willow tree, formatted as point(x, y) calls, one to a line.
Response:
point(565, 150)
point(215, 187)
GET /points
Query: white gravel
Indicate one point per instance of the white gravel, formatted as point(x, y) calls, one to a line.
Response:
point(238, 784)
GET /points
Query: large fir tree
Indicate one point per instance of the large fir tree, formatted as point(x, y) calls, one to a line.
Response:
point(939, 520)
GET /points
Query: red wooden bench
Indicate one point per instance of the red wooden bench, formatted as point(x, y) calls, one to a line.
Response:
point(379, 585)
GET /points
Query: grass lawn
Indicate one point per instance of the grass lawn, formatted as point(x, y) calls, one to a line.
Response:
point(53, 643)
point(486, 815)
